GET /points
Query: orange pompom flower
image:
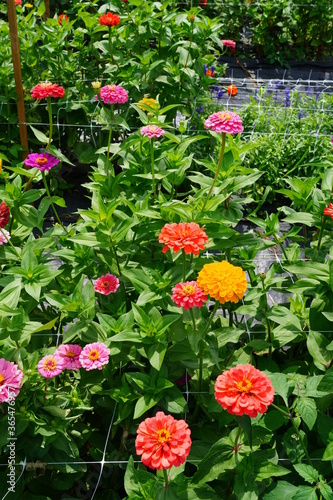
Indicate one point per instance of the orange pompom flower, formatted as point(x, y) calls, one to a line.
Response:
point(244, 390)
point(232, 90)
point(188, 236)
point(222, 281)
point(109, 19)
point(163, 442)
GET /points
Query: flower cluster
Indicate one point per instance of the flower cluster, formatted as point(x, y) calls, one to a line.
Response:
point(113, 94)
point(109, 19)
point(10, 380)
point(47, 89)
point(188, 236)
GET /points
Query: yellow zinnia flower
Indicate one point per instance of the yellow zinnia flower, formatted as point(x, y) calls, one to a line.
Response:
point(149, 101)
point(222, 281)
point(28, 5)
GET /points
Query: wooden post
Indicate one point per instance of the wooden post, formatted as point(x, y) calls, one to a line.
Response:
point(17, 75)
point(47, 9)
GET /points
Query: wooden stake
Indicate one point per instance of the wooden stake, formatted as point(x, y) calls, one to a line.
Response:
point(18, 76)
point(47, 9)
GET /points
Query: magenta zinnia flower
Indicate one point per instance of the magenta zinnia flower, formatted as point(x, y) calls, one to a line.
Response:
point(224, 121)
point(94, 356)
point(70, 353)
point(43, 161)
point(229, 43)
point(10, 380)
point(188, 295)
point(4, 236)
point(106, 284)
point(50, 366)
point(113, 94)
point(152, 131)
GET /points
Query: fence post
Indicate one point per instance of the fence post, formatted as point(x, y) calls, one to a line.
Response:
point(47, 9)
point(17, 75)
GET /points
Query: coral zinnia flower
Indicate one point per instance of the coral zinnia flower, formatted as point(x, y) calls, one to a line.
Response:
point(106, 284)
point(109, 19)
point(224, 121)
point(149, 101)
point(18, 2)
point(152, 131)
point(10, 380)
point(70, 354)
point(232, 90)
point(188, 295)
point(4, 236)
point(50, 366)
point(94, 356)
point(43, 161)
point(61, 17)
point(222, 281)
point(244, 390)
point(229, 43)
point(329, 210)
point(4, 214)
point(187, 235)
point(113, 94)
point(163, 442)
point(47, 89)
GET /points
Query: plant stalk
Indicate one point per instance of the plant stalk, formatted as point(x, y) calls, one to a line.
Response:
point(152, 166)
point(217, 170)
point(10, 244)
point(321, 233)
point(49, 109)
point(52, 204)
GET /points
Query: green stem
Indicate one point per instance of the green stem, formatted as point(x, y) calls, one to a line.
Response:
point(210, 319)
point(184, 265)
point(10, 244)
point(166, 483)
point(200, 371)
point(280, 244)
point(193, 319)
point(52, 204)
point(217, 170)
point(49, 109)
point(116, 256)
point(108, 152)
point(321, 233)
point(110, 44)
point(152, 165)
point(230, 318)
point(301, 440)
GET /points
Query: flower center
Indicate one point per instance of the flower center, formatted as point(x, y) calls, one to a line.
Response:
point(163, 436)
point(188, 290)
point(105, 284)
point(70, 354)
point(46, 85)
point(225, 115)
point(244, 385)
point(1, 379)
point(112, 87)
point(93, 355)
point(50, 364)
point(41, 160)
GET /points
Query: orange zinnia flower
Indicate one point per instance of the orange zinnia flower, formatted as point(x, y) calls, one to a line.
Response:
point(109, 19)
point(244, 390)
point(163, 442)
point(222, 281)
point(232, 90)
point(187, 235)
point(329, 210)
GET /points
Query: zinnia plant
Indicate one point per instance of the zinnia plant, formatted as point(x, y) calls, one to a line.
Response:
point(152, 131)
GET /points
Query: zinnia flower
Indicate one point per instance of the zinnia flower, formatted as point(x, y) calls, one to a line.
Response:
point(188, 236)
point(113, 94)
point(10, 380)
point(94, 356)
point(96, 85)
point(152, 131)
point(229, 43)
point(70, 354)
point(232, 90)
point(222, 281)
point(4, 236)
point(28, 5)
point(329, 210)
point(109, 19)
point(50, 366)
point(203, 3)
point(106, 284)
point(188, 295)
point(43, 161)
point(47, 89)
point(4, 214)
point(163, 442)
point(244, 390)
point(149, 101)
point(18, 2)
point(61, 18)
point(224, 121)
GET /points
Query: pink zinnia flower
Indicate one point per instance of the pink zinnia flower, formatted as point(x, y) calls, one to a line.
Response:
point(152, 131)
point(51, 365)
point(10, 380)
point(163, 442)
point(229, 43)
point(188, 295)
point(47, 89)
point(43, 161)
point(113, 94)
point(70, 354)
point(4, 236)
point(94, 356)
point(224, 121)
point(106, 284)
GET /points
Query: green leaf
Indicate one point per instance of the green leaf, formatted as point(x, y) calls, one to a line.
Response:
point(271, 470)
point(305, 493)
point(326, 490)
point(326, 382)
point(307, 472)
point(144, 404)
point(282, 491)
point(308, 411)
point(328, 453)
point(316, 344)
point(282, 385)
point(39, 135)
point(156, 355)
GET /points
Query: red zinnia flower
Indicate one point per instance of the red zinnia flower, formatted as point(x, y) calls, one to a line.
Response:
point(244, 390)
point(203, 3)
point(329, 210)
point(106, 284)
point(187, 235)
point(188, 295)
point(4, 214)
point(109, 19)
point(47, 89)
point(18, 2)
point(61, 17)
point(163, 442)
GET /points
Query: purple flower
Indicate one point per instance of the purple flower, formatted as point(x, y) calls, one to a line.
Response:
point(300, 115)
point(287, 97)
point(43, 161)
point(200, 109)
